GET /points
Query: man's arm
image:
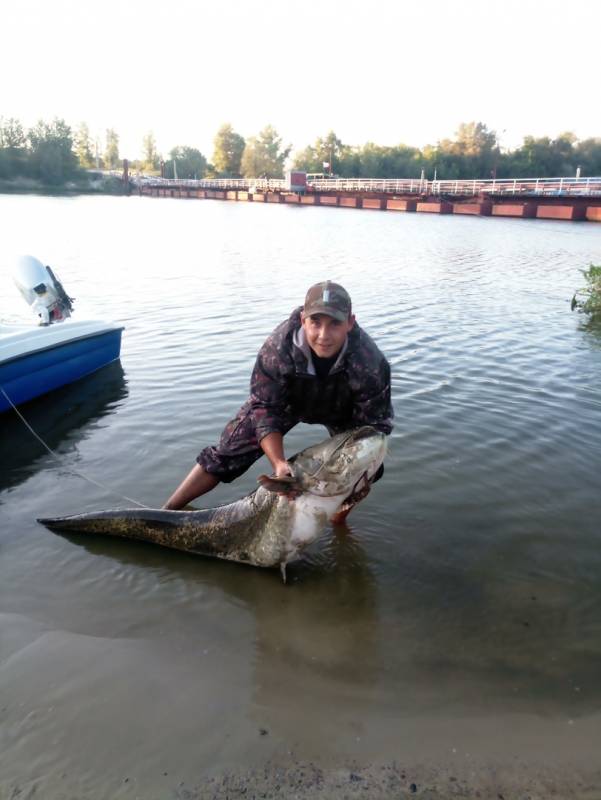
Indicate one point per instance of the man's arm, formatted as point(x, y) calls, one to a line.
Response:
point(273, 447)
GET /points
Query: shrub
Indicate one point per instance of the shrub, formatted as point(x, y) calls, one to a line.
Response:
point(588, 299)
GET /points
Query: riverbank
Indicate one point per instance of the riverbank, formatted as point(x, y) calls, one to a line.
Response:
point(305, 780)
point(103, 185)
point(299, 780)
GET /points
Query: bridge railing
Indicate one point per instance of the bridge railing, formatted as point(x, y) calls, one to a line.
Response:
point(513, 186)
point(246, 184)
point(391, 186)
point(517, 186)
point(509, 186)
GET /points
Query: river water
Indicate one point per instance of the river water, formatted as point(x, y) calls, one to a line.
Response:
point(456, 623)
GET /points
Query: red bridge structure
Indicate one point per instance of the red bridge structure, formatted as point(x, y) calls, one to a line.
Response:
point(532, 198)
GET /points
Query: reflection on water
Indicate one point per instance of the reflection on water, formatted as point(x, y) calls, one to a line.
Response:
point(60, 420)
point(592, 325)
point(437, 635)
point(468, 583)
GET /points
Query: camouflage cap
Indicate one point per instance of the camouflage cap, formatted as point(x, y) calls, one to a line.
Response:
point(328, 298)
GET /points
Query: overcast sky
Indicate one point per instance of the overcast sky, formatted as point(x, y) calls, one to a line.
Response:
point(386, 71)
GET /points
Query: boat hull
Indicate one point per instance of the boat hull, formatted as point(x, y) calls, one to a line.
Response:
point(31, 374)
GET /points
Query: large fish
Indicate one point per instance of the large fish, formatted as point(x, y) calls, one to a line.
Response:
point(265, 528)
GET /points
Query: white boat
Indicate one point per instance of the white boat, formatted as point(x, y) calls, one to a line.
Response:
point(35, 360)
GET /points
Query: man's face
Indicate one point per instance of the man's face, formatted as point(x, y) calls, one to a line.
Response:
point(325, 334)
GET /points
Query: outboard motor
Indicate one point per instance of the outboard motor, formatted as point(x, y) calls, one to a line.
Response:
point(42, 290)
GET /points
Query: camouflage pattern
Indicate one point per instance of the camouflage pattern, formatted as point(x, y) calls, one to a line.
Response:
point(284, 390)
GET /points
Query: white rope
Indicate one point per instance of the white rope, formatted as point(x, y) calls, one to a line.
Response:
point(58, 458)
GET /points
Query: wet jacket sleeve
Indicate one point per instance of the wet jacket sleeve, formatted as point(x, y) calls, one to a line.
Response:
point(371, 401)
point(269, 391)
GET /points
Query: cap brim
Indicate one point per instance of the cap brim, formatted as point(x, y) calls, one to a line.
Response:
point(327, 310)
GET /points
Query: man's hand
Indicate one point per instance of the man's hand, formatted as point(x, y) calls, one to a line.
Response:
point(281, 469)
point(282, 480)
point(285, 485)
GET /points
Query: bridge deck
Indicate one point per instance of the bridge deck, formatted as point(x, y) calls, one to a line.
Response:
point(514, 187)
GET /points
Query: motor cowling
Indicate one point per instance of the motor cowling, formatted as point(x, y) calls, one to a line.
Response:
point(42, 290)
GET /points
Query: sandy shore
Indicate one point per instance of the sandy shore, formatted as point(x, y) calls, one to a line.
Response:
point(305, 780)
point(302, 780)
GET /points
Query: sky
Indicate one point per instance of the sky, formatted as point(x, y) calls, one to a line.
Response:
point(386, 71)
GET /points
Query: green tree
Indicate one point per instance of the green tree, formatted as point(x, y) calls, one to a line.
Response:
point(349, 165)
point(150, 155)
point(543, 157)
point(588, 299)
point(188, 161)
point(534, 159)
point(83, 147)
point(111, 153)
point(565, 156)
point(227, 153)
point(264, 155)
point(444, 160)
point(474, 153)
point(328, 150)
point(369, 161)
point(474, 138)
point(588, 156)
point(12, 135)
point(13, 148)
point(307, 160)
point(52, 156)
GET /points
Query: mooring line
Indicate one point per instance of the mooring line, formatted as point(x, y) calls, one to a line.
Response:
point(58, 458)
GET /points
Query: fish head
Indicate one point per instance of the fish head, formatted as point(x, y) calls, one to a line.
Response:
point(335, 466)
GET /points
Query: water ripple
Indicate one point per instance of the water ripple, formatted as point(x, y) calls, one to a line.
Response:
point(491, 495)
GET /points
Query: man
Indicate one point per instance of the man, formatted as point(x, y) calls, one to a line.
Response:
point(318, 366)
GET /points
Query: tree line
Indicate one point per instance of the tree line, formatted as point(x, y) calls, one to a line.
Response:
point(51, 152)
point(474, 152)
point(54, 154)
point(260, 156)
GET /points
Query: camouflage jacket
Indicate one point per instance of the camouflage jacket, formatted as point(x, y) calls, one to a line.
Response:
point(284, 388)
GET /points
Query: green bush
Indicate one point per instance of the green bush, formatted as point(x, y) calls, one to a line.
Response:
point(588, 299)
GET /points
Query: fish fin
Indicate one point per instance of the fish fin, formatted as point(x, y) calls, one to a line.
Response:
point(283, 485)
point(283, 570)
